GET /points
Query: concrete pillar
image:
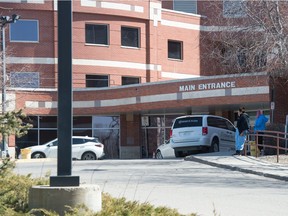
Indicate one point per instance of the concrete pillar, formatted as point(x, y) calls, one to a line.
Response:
point(56, 198)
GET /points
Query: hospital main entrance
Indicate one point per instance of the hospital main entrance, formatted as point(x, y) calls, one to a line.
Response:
point(155, 131)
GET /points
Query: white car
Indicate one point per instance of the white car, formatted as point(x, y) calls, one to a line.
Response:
point(83, 148)
point(165, 151)
point(201, 132)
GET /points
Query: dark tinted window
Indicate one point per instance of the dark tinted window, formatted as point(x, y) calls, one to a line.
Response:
point(82, 122)
point(96, 34)
point(175, 50)
point(230, 126)
point(97, 81)
point(48, 121)
point(92, 140)
point(77, 141)
point(130, 80)
point(216, 122)
point(188, 122)
point(55, 143)
point(130, 37)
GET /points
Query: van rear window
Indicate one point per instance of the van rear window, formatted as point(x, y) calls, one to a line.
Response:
point(188, 122)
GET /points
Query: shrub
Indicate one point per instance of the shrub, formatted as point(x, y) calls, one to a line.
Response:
point(14, 190)
point(14, 199)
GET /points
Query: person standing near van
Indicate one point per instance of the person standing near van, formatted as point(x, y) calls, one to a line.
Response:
point(260, 126)
point(242, 129)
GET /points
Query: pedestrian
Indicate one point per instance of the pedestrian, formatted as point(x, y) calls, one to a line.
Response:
point(242, 129)
point(259, 127)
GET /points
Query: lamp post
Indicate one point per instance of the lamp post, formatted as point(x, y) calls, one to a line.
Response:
point(4, 20)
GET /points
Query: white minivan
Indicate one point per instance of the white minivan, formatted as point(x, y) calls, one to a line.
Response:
point(201, 132)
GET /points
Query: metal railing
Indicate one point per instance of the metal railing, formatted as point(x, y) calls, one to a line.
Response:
point(275, 137)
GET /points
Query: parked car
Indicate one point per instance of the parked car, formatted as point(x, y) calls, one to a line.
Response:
point(165, 151)
point(83, 148)
point(201, 132)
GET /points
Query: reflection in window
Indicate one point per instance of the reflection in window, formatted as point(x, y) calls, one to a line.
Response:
point(24, 31)
point(175, 50)
point(110, 139)
point(106, 122)
point(24, 79)
point(106, 129)
point(130, 37)
point(185, 6)
point(233, 8)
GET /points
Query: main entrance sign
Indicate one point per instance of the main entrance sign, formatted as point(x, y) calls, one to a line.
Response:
point(207, 86)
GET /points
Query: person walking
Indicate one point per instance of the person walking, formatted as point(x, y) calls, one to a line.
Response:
point(242, 129)
point(259, 127)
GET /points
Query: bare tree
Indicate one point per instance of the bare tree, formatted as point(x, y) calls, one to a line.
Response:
point(251, 36)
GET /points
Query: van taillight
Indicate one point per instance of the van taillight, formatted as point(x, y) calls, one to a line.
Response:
point(171, 132)
point(204, 130)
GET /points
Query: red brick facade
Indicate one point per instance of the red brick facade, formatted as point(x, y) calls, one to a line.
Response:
point(167, 85)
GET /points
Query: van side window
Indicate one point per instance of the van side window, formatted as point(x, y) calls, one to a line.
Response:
point(216, 122)
point(230, 126)
point(188, 122)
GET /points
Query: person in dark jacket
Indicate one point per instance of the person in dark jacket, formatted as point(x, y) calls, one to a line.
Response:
point(242, 129)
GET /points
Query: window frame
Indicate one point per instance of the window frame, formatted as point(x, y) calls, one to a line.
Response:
point(138, 37)
point(108, 80)
point(35, 76)
point(178, 5)
point(139, 80)
point(11, 26)
point(181, 50)
point(107, 34)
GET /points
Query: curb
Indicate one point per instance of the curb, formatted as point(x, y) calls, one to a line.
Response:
point(234, 168)
point(34, 160)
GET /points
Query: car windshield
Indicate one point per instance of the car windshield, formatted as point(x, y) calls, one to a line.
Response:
point(188, 122)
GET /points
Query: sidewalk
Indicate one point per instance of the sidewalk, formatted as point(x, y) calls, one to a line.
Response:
point(247, 164)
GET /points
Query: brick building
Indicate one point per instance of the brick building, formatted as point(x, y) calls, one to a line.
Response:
point(136, 66)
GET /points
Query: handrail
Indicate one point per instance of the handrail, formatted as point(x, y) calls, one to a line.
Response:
point(271, 134)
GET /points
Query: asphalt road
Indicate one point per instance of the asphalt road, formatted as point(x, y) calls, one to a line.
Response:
point(187, 186)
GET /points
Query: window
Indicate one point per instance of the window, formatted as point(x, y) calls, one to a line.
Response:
point(185, 6)
point(260, 59)
point(188, 122)
point(77, 141)
point(96, 34)
point(24, 31)
point(130, 37)
point(234, 9)
point(175, 50)
point(24, 79)
point(241, 56)
point(216, 122)
point(130, 80)
point(97, 81)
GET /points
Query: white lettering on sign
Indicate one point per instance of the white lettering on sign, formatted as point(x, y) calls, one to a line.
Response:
point(187, 88)
point(207, 86)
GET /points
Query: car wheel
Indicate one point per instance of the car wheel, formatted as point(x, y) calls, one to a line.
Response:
point(214, 145)
point(88, 156)
point(38, 155)
point(158, 155)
